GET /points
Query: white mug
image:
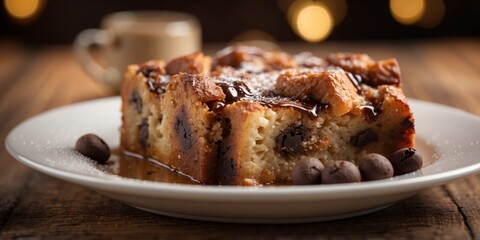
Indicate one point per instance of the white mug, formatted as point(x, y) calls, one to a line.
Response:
point(135, 37)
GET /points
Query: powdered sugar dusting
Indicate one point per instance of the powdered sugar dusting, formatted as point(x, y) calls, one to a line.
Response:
point(58, 152)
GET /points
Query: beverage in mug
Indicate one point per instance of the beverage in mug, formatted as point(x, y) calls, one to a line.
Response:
point(135, 37)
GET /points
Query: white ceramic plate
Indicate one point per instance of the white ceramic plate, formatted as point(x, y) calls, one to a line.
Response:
point(46, 142)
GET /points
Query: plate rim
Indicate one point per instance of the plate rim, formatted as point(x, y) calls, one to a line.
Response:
point(399, 184)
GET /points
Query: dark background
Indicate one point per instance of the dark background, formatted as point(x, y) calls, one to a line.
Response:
point(61, 20)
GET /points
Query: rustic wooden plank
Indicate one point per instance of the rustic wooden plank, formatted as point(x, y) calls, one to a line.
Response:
point(14, 63)
point(466, 195)
point(12, 56)
point(453, 82)
point(415, 80)
point(469, 50)
point(55, 79)
point(54, 74)
point(14, 176)
point(51, 208)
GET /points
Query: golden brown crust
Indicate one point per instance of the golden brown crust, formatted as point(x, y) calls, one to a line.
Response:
point(352, 62)
point(204, 88)
point(374, 73)
point(330, 87)
point(405, 128)
point(235, 56)
point(195, 63)
point(385, 72)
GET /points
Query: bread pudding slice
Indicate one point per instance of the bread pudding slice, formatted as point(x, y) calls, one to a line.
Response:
point(247, 116)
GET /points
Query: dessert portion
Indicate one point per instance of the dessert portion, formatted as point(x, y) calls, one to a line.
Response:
point(248, 116)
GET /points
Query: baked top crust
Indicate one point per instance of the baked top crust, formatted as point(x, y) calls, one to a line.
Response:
point(340, 82)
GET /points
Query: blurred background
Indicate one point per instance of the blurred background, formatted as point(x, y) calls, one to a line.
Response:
point(38, 22)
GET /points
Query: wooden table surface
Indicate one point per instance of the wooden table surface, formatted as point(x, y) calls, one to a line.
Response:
point(32, 204)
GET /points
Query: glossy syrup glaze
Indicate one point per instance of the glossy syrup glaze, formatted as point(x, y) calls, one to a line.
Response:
point(237, 91)
point(371, 111)
point(131, 165)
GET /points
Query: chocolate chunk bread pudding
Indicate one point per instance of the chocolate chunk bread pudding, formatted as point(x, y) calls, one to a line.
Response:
point(247, 116)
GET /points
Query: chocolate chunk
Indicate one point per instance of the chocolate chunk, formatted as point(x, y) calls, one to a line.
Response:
point(183, 129)
point(148, 71)
point(307, 171)
point(226, 127)
point(406, 160)
point(375, 166)
point(340, 172)
point(143, 133)
point(371, 111)
point(216, 105)
point(136, 100)
point(363, 138)
point(290, 141)
point(92, 146)
point(227, 169)
point(157, 85)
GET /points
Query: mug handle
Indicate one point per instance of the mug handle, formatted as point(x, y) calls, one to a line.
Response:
point(83, 42)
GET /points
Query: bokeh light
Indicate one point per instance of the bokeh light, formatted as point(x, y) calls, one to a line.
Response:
point(23, 9)
point(407, 11)
point(434, 13)
point(312, 21)
point(338, 8)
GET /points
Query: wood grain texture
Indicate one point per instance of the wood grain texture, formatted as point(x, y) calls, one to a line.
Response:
point(33, 205)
